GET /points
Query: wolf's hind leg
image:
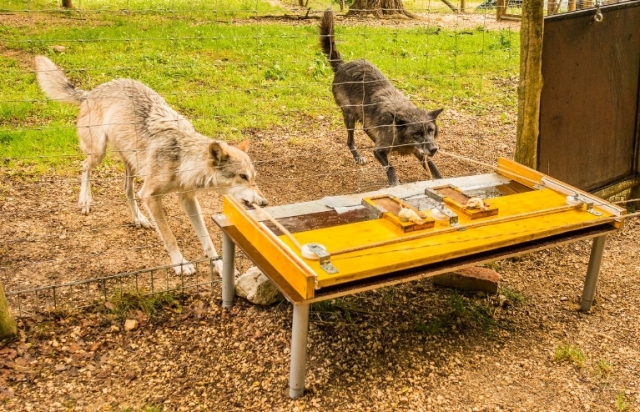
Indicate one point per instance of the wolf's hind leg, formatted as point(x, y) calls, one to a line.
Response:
point(93, 143)
point(139, 219)
point(350, 122)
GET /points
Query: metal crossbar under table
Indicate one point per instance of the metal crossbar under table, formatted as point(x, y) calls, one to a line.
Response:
point(521, 211)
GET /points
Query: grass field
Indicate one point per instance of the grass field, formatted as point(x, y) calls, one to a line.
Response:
point(229, 74)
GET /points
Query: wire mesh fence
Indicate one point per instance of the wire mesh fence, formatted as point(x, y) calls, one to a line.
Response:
point(237, 71)
point(71, 296)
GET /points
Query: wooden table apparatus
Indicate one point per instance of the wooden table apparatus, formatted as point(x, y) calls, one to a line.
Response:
point(458, 222)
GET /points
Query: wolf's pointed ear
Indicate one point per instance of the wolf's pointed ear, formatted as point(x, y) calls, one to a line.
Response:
point(244, 146)
point(434, 113)
point(218, 154)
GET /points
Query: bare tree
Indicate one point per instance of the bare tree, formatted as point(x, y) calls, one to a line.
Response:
point(378, 8)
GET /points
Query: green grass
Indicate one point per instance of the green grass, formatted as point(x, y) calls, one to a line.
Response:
point(333, 310)
point(603, 368)
point(123, 304)
point(513, 295)
point(569, 353)
point(146, 408)
point(216, 9)
point(463, 314)
point(228, 78)
point(621, 403)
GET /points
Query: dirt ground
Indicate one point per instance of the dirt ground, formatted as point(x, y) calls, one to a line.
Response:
point(413, 347)
point(374, 351)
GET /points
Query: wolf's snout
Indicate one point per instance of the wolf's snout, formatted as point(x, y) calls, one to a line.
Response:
point(432, 149)
point(260, 201)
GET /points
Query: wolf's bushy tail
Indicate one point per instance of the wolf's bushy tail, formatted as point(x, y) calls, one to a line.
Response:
point(328, 41)
point(55, 84)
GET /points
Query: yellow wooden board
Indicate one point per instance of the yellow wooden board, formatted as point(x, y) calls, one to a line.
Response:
point(370, 248)
point(433, 246)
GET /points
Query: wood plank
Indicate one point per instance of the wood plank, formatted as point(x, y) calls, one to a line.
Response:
point(313, 221)
point(583, 144)
point(510, 168)
point(512, 188)
point(412, 254)
point(436, 268)
point(406, 275)
point(518, 172)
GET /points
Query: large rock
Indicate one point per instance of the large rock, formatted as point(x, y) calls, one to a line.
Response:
point(255, 287)
point(474, 278)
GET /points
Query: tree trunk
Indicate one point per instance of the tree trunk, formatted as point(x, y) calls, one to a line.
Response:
point(8, 326)
point(67, 4)
point(378, 8)
point(530, 84)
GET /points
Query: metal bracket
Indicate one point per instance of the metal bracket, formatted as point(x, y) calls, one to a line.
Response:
point(569, 191)
point(588, 202)
point(584, 200)
point(325, 258)
point(453, 218)
point(429, 192)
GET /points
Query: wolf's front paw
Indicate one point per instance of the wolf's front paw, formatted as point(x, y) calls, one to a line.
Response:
point(142, 221)
point(360, 160)
point(185, 268)
point(85, 207)
point(217, 267)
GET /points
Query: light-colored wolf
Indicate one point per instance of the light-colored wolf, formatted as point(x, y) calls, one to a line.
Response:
point(157, 145)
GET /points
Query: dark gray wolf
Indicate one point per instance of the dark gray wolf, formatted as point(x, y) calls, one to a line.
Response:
point(365, 95)
point(157, 145)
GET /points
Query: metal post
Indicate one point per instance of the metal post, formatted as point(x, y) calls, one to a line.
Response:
point(228, 271)
point(298, 350)
point(593, 271)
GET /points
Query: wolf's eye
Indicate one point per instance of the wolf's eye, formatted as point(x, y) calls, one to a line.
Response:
point(243, 177)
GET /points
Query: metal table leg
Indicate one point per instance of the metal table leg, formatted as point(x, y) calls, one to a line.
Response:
point(298, 350)
point(593, 271)
point(228, 271)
